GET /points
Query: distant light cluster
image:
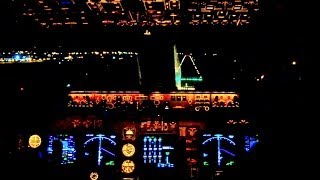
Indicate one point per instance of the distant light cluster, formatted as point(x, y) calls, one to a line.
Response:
point(10, 57)
point(141, 13)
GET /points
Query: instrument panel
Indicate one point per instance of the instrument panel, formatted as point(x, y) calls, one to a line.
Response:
point(135, 101)
point(153, 148)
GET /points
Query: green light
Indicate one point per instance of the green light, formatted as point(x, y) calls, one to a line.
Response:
point(110, 163)
point(192, 79)
point(205, 163)
point(230, 163)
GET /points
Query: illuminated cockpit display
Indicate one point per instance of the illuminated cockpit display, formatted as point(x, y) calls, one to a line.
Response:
point(61, 148)
point(158, 151)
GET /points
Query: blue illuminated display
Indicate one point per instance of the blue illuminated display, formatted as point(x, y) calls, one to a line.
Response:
point(157, 152)
point(218, 150)
point(101, 148)
point(250, 142)
point(66, 2)
point(67, 145)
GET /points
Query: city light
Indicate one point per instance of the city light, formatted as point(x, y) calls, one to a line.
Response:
point(19, 56)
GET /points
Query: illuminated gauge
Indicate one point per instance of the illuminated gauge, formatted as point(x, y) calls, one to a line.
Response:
point(128, 150)
point(128, 166)
point(94, 176)
point(129, 133)
point(34, 141)
point(100, 148)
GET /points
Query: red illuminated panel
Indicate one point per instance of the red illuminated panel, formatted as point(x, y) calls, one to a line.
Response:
point(158, 126)
point(80, 100)
point(225, 100)
point(158, 98)
point(107, 99)
point(181, 100)
point(201, 101)
point(174, 100)
point(76, 122)
point(117, 99)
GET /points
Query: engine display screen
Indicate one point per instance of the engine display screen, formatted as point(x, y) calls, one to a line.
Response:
point(61, 148)
point(159, 151)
